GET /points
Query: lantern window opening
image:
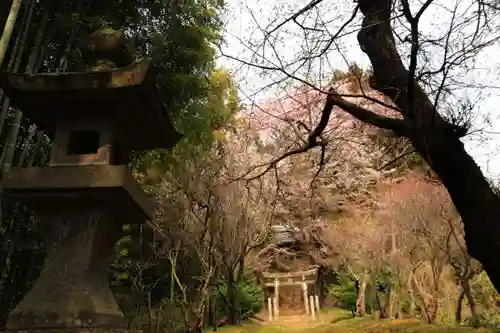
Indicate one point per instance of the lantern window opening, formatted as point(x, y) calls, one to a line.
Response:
point(83, 142)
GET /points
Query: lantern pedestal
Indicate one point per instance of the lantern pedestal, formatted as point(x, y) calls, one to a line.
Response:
point(81, 209)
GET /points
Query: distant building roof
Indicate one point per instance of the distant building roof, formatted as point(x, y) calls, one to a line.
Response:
point(284, 234)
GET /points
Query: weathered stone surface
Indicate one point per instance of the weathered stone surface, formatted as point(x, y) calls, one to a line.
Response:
point(96, 138)
point(128, 96)
point(73, 289)
point(96, 119)
point(111, 187)
point(139, 73)
point(106, 48)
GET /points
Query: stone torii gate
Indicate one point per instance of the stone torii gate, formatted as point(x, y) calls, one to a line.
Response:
point(302, 279)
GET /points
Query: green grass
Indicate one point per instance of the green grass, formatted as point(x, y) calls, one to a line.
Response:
point(395, 326)
point(340, 321)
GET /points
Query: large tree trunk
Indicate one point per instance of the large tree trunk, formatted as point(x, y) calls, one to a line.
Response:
point(437, 141)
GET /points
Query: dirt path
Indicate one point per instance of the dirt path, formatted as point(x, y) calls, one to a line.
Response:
point(297, 321)
point(291, 320)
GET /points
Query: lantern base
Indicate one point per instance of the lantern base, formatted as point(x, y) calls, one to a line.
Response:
point(73, 289)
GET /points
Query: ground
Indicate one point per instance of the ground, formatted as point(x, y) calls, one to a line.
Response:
point(339, 321)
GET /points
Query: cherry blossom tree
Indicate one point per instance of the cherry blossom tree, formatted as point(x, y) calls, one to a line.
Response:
point(420, 65)
point(211, 219)
point(427, 239)
point(358, 243)
point(341, 157)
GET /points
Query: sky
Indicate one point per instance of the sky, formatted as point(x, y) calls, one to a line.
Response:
point(244, 39)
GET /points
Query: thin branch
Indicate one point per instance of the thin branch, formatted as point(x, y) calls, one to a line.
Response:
point(334, 37)
point(394, 160)
point(294, 17)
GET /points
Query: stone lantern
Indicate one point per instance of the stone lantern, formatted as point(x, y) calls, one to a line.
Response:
point(86, 194)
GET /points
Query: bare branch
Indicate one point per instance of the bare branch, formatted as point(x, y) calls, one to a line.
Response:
point(294, 17)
